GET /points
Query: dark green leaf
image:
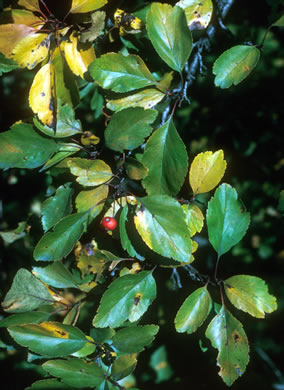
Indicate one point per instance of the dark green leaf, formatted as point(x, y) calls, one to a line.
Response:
point(128, 128)
point(166, 158)
point(23, 147)
point(161, 224)
point(32, 317)
point(279, 22)
point(65, 151)
point(226, 222)
point(75, 372)
point(123, 366)
point(100, 335)
point(26, 293)
point(59, 243)
point(56, 207)
point(134, 338)
point(169, 34)
point(6, 64)
point(49, 384)
point(127, 298)
point(121, 73)
point(55, 275)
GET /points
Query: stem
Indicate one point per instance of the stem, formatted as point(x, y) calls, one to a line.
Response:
point(216, 268)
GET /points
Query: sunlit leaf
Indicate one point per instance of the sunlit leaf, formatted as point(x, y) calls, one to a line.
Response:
point(55, 275)
point(194, 311)
point(92, 198)
point(6, 64)
point(206, 171)
point(90, 172)
point(125, 241)
point(11, 34)
point(166, 158)
point(81, 6)
point(135, 338)
point(31, 50)
point(194, 218)
point(234, 65)
point(250, 294)
point(28, 18)
point(32, 5)
point(23, 147)
point(121, 73)
point(198, 12)
point(128, 128)
point(226, 222)
point(226, 334)
point(164, 232)
point(123, 366)
point(127, 298)
point(57, 244)
point(167, 28)
point(42, 94)
point(51, 339)
point(26, 293)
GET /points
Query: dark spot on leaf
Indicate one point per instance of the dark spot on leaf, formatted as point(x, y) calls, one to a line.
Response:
point(236, 337)
point(42, 94)
point(137, 299)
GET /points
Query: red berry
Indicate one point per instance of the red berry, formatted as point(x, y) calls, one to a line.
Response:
point(109, 223)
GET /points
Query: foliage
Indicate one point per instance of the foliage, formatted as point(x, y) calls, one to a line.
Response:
point(133, 166)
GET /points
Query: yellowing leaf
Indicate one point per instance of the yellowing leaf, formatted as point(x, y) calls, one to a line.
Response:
point(41, 97)
point(206, 171)
point(23, 16)
point(55, 329)
point(80, 6)
point(32, 5)
point(78, 60)
point(11, 34)
point(194, 218)
point(90, 173)
point(198, 12)
point(31, 50)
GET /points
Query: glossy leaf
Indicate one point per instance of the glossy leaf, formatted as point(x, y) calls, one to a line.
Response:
point(123, 366)
point(88, 199)
point(56, 207)
point(128, 128)
point(121, 73)
point(125, 241)
point(23, 147)
point(87, 349)
point(250, 294)
point(234, 65)
point(26, 293)
point(226, 222)
point(164, 232)
point(51, 339)
point(226, 334)
point(166, 158)
point(169, 34)
point(134, 338)
point(55, 275)
point(127, 298)
point(194, 311)
point(31, 317)
point(6, 64)
point(81, 6)
point(194, 218)
point(206, 171)
point(198, 12)
point(89, 172)
point(42, 94)
point(59, 243)
point(49, 384)
point(11, 34)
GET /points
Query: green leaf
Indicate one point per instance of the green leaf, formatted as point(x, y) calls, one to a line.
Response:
point(194, 311)
point(65, 151)
point(159, 363)
point(23, 147)
point(250, 294)
point(169, 34)
point(100, 335)
point(134, 338)
point(125, 241)
point(147, 98)
point(226, 334)
point(123, 366)
point(87, 199)
point(127, 298)
point(6, 64)
point(161, 224)
point(56, 207)
point(226, 222)
point(49, 384)
point(59, 243)
point(89, 172)
point(281, 202)
point(32, 317)
point(128, 128)
point(15, 234)
point(279, 22)
point(56, 275)
point(26, 293)
point(75, 372)
point(51, 339)
point(198, 13)
point(121, 73)
point(135, 169)
point(234, 65)
point(166, 158)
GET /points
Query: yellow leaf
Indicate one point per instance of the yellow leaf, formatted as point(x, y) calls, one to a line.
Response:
point(206, 171)
point(52, 327)
point(31, 50)
point(78, 60)
point(11, 34)
point(80, 6)
point(23, 16)
point(194, 218)
point(88, 138)
point(41, 97)
point(32, 5)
